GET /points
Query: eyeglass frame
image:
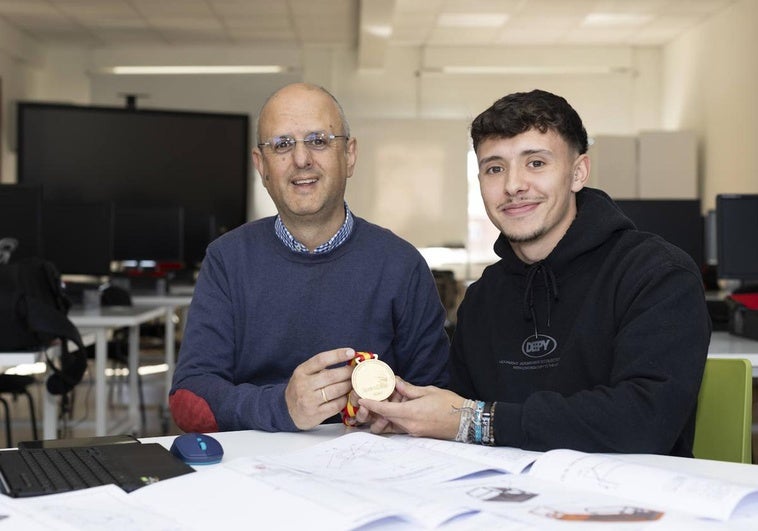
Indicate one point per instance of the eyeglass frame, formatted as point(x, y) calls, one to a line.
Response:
point(307, 142)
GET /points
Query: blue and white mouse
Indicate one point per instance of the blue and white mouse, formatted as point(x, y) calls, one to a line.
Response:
point(197, 449)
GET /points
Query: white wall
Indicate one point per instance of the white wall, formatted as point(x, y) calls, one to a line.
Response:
point(710, 85)
point(20, 57)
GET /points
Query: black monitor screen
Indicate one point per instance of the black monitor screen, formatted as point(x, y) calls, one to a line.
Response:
point(678, 221)
point(737, 236)
point(202, 229)
point(149, 233)
point(20, 222)
point(199, 161)
point(78, 237)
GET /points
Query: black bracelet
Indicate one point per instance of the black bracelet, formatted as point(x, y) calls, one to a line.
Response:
point(488, 417)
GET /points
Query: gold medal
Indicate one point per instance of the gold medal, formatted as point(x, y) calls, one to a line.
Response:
point(373, 379)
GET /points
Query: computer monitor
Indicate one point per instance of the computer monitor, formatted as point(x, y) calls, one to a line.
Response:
point(197, 160)
point(20, 222)
point(78, 237)
point(149, 233)
point(737, 236)
point(679, 221)
point(200, 229)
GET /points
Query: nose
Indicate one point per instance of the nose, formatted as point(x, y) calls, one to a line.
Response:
point(301, 155)
point(514, 182)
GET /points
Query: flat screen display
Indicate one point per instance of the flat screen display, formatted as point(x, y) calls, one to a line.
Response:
point(737, 236)
point(678, 221)
point(198, 161)
point(78, 237)
point(20, 222)
point(149, 233)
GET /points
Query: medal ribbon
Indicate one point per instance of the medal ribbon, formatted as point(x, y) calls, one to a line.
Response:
point(348, 412)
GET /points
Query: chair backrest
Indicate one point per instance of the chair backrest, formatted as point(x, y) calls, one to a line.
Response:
point(723, 425)
point(115, 296)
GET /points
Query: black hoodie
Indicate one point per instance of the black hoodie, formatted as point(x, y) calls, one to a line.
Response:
point(600, 347)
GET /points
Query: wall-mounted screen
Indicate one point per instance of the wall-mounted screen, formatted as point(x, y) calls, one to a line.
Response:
point(199, 161)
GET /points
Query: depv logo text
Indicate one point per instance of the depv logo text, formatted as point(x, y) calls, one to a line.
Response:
point(538, 346)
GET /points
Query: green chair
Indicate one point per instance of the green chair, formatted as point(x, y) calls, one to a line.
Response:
point(724, 419)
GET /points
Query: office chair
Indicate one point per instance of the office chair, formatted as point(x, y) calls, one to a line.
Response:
point(724, 418)
point(17, 384)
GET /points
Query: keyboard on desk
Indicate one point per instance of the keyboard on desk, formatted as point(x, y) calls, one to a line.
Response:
point(54, 470)
point(36, 471)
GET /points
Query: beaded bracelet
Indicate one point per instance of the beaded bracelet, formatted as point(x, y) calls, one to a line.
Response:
point(488, 416)
point(467, 415)
point(477, 423)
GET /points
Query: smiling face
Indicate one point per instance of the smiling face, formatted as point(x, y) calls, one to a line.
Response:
point(306, 185)
point(528, 183)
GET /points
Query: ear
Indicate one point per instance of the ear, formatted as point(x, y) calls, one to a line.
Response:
point(351, 147)
point(581, 172)
point(259, 165)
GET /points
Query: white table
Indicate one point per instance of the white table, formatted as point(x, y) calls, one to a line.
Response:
point(726, 345)
point(252, 443)
point(170, 303)
point(99, 321)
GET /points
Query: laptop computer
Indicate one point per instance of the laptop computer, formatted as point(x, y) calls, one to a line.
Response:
point(29, 472)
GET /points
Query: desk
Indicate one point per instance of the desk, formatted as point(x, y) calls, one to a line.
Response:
point(244, 444)
point(726, 345)
point(252, 443)
point(170, 303)
point(99, 321)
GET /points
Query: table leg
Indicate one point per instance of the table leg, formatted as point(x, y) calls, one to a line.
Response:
point(50, 406)
point(133, 368)
point(101, 405)
point(170, 340)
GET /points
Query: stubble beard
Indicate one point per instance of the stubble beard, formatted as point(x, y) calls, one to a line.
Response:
point(524, 238)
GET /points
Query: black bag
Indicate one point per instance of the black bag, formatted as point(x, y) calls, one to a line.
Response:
point(743, 314)
point(33, 313)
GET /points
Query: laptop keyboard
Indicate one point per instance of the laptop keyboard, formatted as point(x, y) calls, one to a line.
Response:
point(53, 470)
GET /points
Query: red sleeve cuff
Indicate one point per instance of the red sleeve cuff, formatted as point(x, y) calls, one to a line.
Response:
point(191, 413)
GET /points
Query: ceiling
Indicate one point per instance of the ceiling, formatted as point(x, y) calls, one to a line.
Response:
point(369, 25)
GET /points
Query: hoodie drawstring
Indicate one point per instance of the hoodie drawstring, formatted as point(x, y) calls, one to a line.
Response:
point(551, 287)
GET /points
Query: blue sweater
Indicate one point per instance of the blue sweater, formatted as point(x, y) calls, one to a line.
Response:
point(259, 310)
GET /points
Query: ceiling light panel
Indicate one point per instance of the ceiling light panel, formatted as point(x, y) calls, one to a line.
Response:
point(471, 20)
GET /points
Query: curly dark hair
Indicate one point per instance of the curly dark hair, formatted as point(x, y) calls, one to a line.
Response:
point(516, 113)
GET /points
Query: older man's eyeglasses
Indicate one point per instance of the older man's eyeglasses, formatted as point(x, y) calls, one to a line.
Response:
point(317, 141)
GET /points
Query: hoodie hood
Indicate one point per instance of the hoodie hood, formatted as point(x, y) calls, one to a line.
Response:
point(596, 221)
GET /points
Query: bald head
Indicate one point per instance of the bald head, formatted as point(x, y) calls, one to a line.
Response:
point(289, 97)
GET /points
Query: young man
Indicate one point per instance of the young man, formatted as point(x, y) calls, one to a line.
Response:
point(282, 303)
point(587, 334)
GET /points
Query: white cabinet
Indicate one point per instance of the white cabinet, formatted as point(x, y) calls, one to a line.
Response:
point(667, 165)
point(652, 165)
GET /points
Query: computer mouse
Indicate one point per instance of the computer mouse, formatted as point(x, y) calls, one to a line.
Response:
point(197, 449)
